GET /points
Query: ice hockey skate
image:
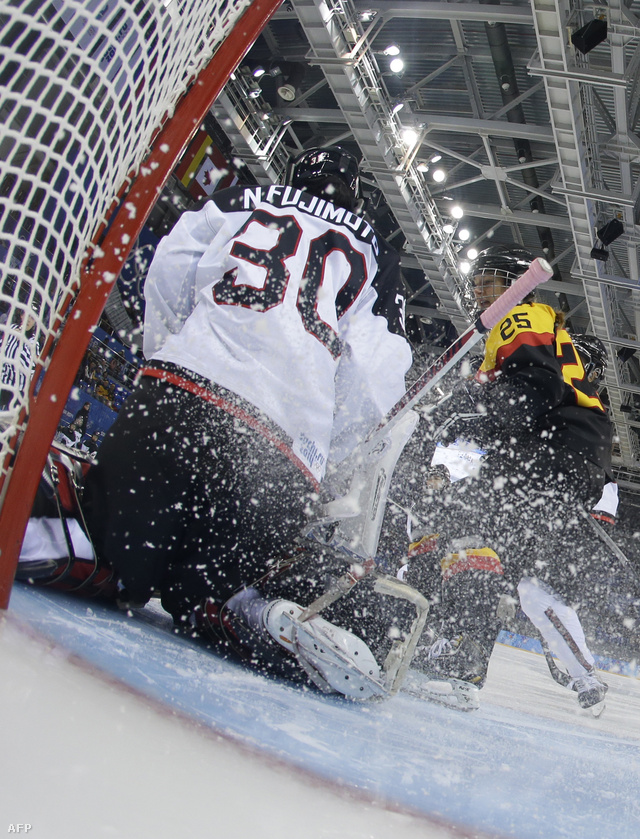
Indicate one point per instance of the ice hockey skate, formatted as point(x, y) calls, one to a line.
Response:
point(591, 692)
point(450, 672)
point(333, 658)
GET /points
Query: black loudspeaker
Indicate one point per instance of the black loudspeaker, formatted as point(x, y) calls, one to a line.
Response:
point(611, 231)
point(624, 354)
point(589, 35)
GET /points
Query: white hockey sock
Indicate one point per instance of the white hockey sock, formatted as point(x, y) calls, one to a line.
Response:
point(558, 624)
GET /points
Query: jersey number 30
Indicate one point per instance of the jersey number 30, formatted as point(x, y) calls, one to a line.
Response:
point(231, 293)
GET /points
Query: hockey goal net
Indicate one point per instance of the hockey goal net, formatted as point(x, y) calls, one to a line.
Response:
point(99, 98)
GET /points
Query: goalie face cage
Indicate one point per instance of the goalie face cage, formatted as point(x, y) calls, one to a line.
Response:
point(98, 100)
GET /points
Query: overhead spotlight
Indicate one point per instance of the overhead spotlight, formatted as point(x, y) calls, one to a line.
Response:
point(259, 71)
point(392, 49)
point(423, 167)
point(293, 73)
point(368, 15)
point(590, 35)
point(449, 228)
point(439, 176)
point(464, 267)
point(254, 92)
point(457, 211)
point(396, 65)
point(611, 231)
point(600, 254)
point(472, 253)
point(435, 158)
point(410, 136)
point(398, 105)
point(464, 234)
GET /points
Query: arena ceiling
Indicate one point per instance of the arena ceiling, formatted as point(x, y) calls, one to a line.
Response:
point(530, 115)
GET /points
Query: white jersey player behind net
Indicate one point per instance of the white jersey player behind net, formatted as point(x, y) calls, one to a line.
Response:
point(291, 313)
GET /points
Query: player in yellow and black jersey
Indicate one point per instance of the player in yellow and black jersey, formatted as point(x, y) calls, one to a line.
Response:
point(547, 439)
point(542, 370)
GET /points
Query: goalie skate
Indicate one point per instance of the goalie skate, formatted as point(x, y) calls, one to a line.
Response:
point(333, 658)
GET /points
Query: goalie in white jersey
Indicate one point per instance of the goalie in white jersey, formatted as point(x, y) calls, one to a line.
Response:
point(274, 333)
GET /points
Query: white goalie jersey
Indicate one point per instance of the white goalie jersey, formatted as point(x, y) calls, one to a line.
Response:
point(292, 303)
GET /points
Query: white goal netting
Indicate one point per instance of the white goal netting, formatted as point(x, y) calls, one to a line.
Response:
point(84, 87)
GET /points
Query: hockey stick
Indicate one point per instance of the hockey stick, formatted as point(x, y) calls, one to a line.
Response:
point(609, 542)
point(388, 435)
point(340, 587)
point(365, 501)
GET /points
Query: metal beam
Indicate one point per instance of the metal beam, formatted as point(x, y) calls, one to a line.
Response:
point(449, 11)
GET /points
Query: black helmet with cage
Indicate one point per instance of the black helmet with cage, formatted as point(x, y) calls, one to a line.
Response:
point(510, 260)
point(332, 173)
point(495, 269)
point(593, 355)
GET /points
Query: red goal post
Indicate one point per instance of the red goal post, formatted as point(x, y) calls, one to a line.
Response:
point(99, 99)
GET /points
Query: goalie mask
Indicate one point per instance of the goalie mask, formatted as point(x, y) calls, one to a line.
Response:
point(593, 355)
point(495, 269)
point(331, 173)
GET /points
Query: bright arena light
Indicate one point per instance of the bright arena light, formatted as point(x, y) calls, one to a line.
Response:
point(410, 136)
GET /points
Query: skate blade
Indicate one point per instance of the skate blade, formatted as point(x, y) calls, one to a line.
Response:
point(597, 709)
point(454, 693)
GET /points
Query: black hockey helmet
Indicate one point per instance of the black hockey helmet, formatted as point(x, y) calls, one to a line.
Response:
point(316, 166)
point(510, 260)
point(593, 355)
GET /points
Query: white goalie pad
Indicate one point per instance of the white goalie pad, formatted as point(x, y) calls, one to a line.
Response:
point(337, 659)
point(352, 521)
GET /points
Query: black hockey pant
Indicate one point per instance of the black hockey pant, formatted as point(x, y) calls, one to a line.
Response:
point(188, 500)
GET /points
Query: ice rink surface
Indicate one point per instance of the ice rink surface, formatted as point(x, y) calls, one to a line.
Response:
point(113, 727)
